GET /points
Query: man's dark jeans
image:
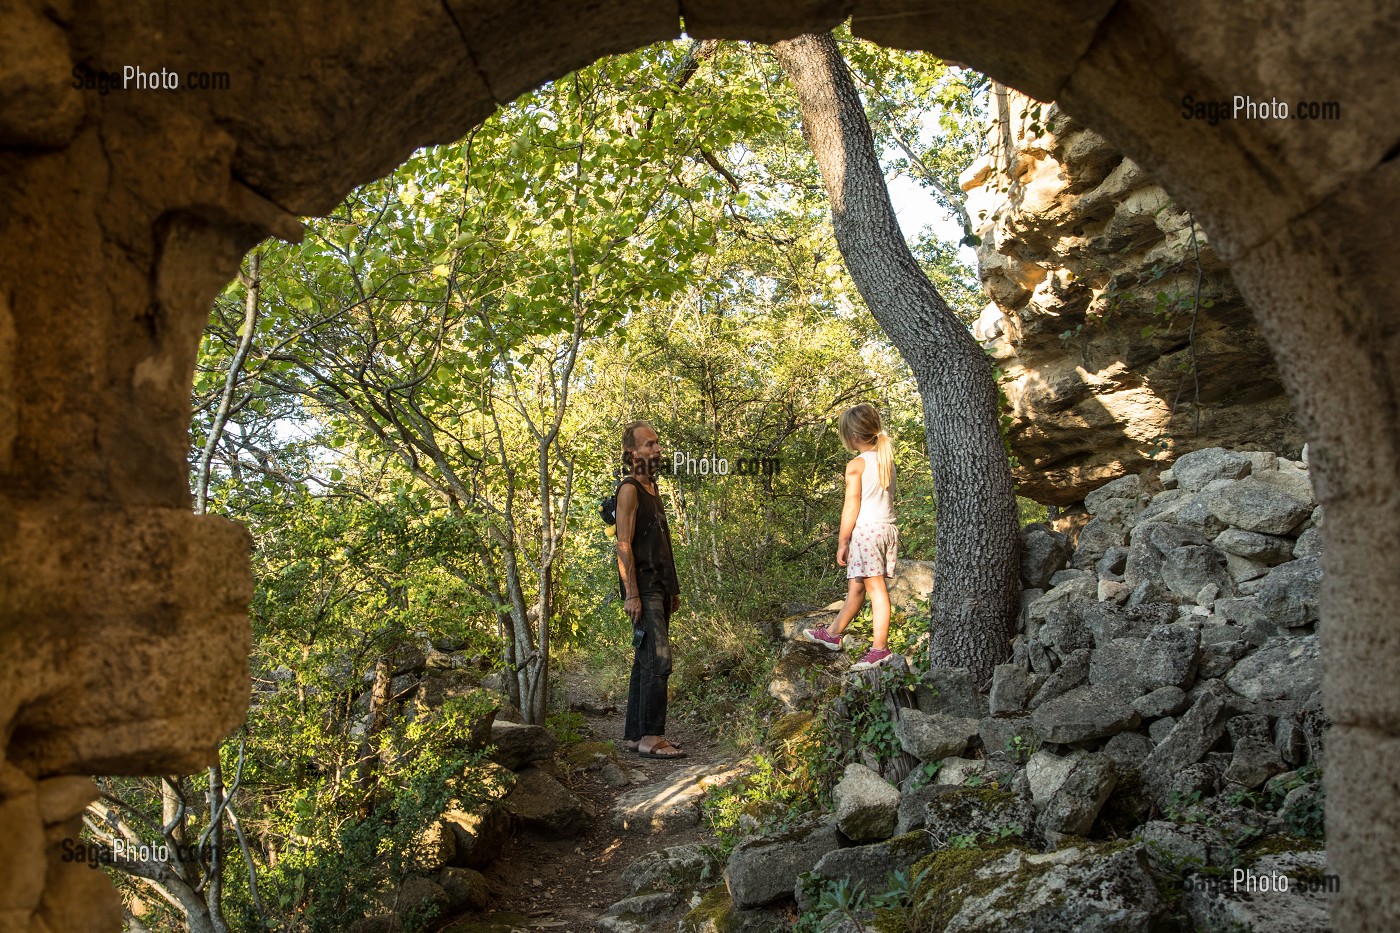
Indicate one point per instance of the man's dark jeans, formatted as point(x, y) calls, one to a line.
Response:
point(651, 668)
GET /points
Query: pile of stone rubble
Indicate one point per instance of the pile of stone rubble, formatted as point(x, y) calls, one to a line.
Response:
point(1157, 735)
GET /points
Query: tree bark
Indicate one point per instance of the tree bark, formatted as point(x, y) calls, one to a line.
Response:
point(253, 282)
point(377, 719)
point(977, 559)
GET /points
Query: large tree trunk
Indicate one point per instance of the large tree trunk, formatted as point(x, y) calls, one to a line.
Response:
point(977, 565)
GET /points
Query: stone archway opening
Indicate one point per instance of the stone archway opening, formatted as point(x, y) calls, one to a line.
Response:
point(125, 634)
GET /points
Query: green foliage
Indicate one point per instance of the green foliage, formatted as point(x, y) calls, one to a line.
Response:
point(998, 836)
point(1020, 748)
point(567, 726)
point(859, 722)
point(1183, 807)
point(891, 907)
point(432, 400)
point(1307, 819)
point(768, 797)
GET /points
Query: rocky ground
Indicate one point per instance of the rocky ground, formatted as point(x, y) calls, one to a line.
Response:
point(571, 832)
point(567, 884)
point(1158, 730)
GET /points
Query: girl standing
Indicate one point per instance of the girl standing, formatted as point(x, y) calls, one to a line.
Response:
point(869, 538)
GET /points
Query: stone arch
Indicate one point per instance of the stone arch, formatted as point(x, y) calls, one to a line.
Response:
point(124, 632)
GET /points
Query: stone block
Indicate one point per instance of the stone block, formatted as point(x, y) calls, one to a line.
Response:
point(1255, 505)
point(1194, 470)
point(762, 869)
point(1279, 677)
point(867, 806)
point(1008, 690)
point(1088, 712)
point(1169, 656)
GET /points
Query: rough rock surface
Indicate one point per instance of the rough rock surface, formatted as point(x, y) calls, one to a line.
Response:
point(717, 912)
point(1187, 740)
point(517, 745)
point(465, 889)
point(1044, 552)
point(868, 866)
point(671, 802)
point(1281, 675)
point(933, 736)
point(541, 803)
point(637, 914)
point(1077, 243)
point(1089, 712)
point(1069, 889)
point(866, 805)
point(947, 812)
point(1220, 904)
point(951, 691)
point(673, 866)
point(1069, 791)
point(793, 685)
point(762, 869)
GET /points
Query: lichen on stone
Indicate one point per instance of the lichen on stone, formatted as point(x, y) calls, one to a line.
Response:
point(712, 913)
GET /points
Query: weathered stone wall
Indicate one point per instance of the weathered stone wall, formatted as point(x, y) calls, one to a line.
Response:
point(1078, 243)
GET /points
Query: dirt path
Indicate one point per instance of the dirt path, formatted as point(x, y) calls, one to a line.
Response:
point(566, 884)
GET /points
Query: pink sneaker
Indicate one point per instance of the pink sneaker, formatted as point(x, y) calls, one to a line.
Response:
point(873, 658)
point(821, 636)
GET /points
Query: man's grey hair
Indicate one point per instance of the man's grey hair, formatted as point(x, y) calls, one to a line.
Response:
point(629, 437)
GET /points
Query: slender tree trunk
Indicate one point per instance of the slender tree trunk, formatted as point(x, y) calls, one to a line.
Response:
point(214, 889)
point(977, 566)
point(245, 344)
point(378, 717)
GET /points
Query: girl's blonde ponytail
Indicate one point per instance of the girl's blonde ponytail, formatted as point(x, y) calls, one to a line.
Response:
point(884, 456)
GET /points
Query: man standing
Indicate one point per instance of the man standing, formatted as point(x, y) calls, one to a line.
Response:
point(650, 593)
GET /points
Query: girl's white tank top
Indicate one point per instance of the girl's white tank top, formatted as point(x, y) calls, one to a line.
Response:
point(876, 505)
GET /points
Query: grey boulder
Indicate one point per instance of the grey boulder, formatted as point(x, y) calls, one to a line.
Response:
point(933, 736)
point(1169, 656)
point(1254, 505)
point(1194, 470)
point(1189, 739)
point(1280, 676)
point(1069, 791)
point(1043, 553)
point(1091, 711)
point(1072, 889)
point(1289, 593)
point(1265, 549)
point(867, 806)
point(761, 869)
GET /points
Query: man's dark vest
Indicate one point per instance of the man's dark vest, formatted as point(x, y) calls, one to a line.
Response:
point(651, 547)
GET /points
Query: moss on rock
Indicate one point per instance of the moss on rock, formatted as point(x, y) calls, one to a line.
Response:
point(790, 726)
point(712, 915)
point(1279, 843)
point(949, 877)
point(582, 755)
